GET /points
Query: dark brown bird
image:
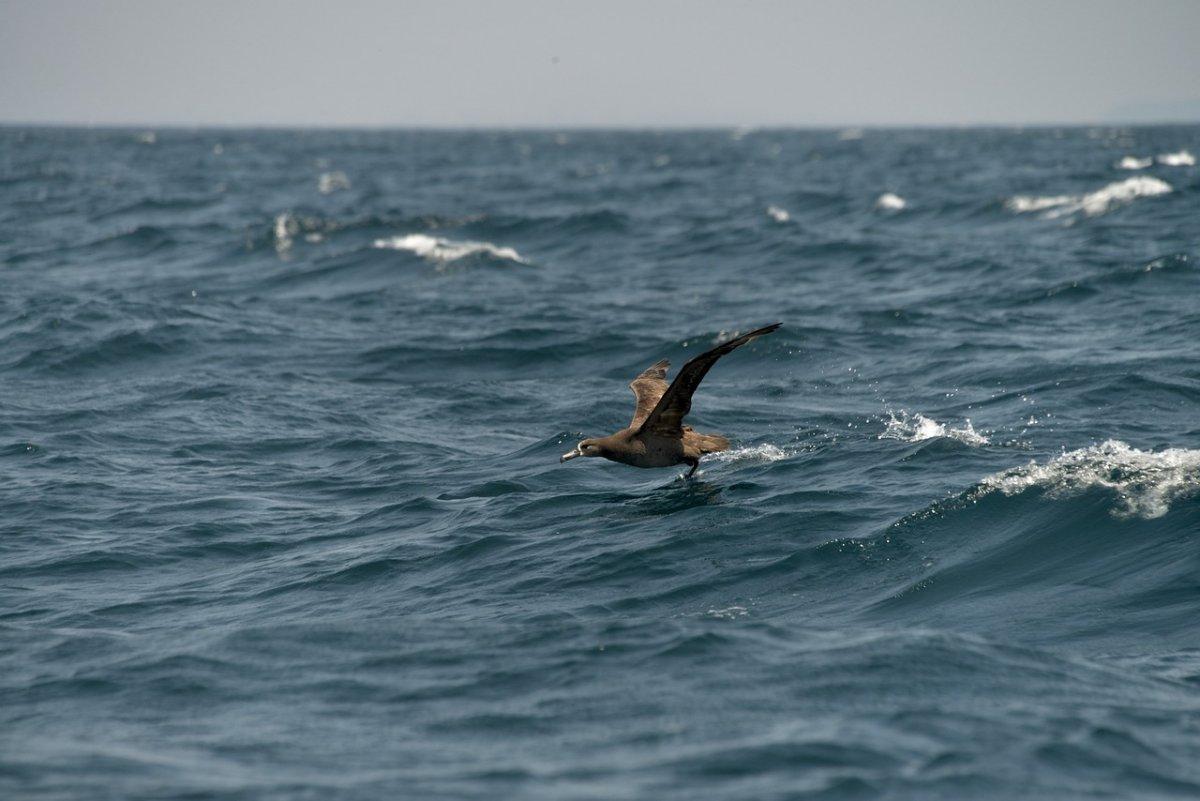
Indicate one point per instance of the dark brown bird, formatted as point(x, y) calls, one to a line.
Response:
point(657, 437)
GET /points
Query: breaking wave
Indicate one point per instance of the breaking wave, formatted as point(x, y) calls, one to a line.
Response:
point(1145, 482)
point(1134, 163)
point(330, 182)
point(1182, 158)
point(1092, 203)
point(890, 201)
point(443, 251)
point(915, 427)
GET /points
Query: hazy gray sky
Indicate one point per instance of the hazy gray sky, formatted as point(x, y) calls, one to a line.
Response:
point(523, 62)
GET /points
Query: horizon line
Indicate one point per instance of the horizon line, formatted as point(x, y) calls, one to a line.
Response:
point(542, 126)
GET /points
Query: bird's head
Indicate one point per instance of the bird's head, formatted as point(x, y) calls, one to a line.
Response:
point(586, 447)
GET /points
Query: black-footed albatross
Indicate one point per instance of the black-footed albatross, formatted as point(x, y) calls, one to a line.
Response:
point(657, 437)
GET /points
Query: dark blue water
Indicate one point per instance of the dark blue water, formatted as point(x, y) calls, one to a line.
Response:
point(282, 518)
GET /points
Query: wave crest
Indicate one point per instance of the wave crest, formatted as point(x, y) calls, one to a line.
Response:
point(330, 182)
point(1092, 203)
point(1183, 158)
point(916, 427)
point(1134, 163)
point(441, 250)
point(1146, 482)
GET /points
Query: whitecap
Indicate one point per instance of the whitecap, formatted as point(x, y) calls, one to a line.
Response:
point(286, 228)
point(1134, 163)
point(777, 214)
point(728, 613)
point(1092, 203)
point(1181, 159)
point(1146, 482)
point(330, 182)
point(1024, 203)
point(916, 427)
point(850, 135)
point(890, 201)
point(444, 251)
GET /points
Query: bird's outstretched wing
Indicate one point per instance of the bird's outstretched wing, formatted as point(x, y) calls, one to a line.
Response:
point(648, 387)
point(667, 417)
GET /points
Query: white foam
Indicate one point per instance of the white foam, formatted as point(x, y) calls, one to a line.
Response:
point(446, 250)
point(916, 427)
point(850, 135)
point(1134, 163)
point(890, 201)
point(1093, 203)
point(1146, 482)
point(1024, 203)
point(751, 453)
point(286, 228)
point(777, 214)
point(330, 182)
point(728, 613)
point(1181, 159)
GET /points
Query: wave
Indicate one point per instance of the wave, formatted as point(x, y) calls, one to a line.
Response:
point(1145, 482)
point(1134, 163)
point(444, 251)
point(284, 230)
point(1182, 158)
point(777, 214)
point(138, 347)
point(578, 223)
point(889, 201)
point(288, 227)
point(330, 182)
point(151, 205)
point(916, 427)
point(1092, 203)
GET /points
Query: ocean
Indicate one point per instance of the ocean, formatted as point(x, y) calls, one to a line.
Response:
point(282, 515)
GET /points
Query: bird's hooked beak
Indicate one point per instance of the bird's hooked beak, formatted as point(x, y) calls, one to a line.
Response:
point(566, 457)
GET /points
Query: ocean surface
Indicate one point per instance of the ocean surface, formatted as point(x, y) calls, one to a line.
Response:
point(282, 515)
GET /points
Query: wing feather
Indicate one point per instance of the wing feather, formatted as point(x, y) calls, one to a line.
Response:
point(666, 419)
point(648, 387)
